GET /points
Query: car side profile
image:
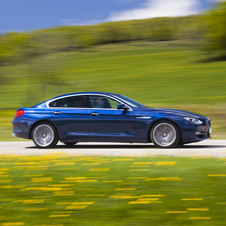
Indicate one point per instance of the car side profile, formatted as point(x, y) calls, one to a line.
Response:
point(107, 117)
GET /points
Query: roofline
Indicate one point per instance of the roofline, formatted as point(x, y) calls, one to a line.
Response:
point(88, 93)
point(70, 94)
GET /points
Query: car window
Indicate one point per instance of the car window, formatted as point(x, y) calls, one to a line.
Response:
point(57, 103)
point(98, 101)
point(70, 102)
point(130, 101)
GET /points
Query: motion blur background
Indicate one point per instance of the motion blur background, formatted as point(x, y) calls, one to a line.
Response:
point(160, 53)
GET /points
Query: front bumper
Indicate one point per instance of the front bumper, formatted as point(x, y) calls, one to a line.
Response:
point(204, 132)
point(196, 133)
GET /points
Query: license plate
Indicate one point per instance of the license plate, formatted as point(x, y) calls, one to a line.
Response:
point(210, 130)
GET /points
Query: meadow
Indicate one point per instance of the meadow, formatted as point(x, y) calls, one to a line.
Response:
point(60, 190)
point(158, 74)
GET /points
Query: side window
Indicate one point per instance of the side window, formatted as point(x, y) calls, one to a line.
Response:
point(57, 103)
point(98, 101)
point(75, 102)
point(113, 103)
point(70, 102)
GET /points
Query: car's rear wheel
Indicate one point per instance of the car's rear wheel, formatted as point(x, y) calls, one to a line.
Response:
point(69, 144)
point(44, 135)
point(165, 134)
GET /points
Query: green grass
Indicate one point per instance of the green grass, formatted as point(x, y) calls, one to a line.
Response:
point(57, 190)
point(156, 74)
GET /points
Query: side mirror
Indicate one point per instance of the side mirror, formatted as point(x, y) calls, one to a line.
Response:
point(122, 106)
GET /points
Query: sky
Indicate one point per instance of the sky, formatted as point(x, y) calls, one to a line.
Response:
point(27, 15)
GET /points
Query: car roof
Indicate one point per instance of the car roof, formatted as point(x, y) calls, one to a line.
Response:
point(84, 93)
point(42, 104)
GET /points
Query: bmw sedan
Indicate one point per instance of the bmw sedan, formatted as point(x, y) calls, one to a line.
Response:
point(107, 117)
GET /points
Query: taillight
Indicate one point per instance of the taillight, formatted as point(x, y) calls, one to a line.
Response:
point(19, 113)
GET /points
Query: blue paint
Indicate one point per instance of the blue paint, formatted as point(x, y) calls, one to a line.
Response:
point(87, 124)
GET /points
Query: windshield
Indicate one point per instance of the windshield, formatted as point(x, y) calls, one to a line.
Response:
point(129, 101)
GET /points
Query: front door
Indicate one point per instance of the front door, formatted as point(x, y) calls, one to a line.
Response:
point(107, 123)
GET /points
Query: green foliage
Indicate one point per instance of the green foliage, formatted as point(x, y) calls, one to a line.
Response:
point(216, 28)
point(23, 47)
point(11, 47)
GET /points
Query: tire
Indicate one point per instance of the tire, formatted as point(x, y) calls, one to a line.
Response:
point(165, 134)
point(69, 144)
point(44, 135)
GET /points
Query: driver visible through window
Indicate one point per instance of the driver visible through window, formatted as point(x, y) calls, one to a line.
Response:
point(98, 101)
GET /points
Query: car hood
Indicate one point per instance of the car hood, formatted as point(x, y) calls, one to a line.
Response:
point(172, 111)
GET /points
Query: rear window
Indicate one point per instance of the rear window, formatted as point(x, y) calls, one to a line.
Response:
point(70, 102)
point(57, 103)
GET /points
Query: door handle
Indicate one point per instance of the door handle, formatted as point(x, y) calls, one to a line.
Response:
point(94, 113)
point(57, 113)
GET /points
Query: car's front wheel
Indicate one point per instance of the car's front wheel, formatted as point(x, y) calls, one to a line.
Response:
point(44, 135)
point(165, 134)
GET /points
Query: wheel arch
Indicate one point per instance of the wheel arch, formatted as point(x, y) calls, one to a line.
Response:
point(42, 120)
point(163, 119)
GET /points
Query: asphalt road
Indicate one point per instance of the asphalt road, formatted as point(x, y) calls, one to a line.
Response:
point(208, 148)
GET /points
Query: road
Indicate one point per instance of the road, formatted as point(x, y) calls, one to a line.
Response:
point(208, 148)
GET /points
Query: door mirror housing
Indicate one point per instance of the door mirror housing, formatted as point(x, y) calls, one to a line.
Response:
point(122, 106)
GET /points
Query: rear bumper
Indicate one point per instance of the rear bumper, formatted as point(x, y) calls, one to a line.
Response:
point(20, 129)
point(21, 135)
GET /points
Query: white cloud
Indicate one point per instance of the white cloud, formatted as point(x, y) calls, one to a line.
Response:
point(158, 8)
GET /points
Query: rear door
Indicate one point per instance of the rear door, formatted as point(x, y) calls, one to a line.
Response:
point(71, 116)
point(107, 123)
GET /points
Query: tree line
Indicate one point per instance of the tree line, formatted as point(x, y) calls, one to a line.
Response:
point(16, 47)
point(206, 30)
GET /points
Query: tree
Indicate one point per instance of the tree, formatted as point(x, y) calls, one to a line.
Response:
point(216, 29)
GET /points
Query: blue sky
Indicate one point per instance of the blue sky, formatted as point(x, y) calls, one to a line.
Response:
point(25, 15)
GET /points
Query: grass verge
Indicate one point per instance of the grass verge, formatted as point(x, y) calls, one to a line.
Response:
point(57, 190)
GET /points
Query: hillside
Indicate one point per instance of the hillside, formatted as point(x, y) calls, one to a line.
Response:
point(158, 74)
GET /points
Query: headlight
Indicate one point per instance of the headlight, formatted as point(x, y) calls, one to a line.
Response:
point(194, 121)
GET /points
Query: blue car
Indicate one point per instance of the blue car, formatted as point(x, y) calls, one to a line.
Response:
point(107, 117)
